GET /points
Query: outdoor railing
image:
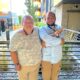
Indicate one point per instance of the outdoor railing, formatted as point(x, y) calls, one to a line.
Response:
point(70, 69)
point(71, 61)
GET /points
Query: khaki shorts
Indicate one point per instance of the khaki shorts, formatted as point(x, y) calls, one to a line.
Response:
point(29, 72)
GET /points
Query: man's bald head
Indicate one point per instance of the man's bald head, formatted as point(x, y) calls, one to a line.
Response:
point(26, 19)
point(29, 17)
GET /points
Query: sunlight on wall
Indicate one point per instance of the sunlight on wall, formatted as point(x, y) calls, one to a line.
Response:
point(56, 2)
point(12, 5)
point(4, 5)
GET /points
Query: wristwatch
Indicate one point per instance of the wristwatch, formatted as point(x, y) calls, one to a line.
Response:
point(17, 64)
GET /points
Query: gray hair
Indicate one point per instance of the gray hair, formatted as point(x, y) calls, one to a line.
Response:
point(27, 17)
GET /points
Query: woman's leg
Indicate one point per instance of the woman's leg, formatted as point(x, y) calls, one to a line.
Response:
point(46, 70)
point(55, 71)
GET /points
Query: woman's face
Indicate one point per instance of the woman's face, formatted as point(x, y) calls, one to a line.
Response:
point(50, 19)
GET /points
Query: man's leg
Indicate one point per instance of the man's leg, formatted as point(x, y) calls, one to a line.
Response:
point(46, 70)
point(22, 73)
point(29, 72)
point(34, 73)
point(55, 71)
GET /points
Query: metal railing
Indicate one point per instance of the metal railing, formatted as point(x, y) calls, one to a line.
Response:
point(71, 61)
point(70, 69)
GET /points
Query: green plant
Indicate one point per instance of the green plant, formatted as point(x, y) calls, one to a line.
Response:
point(31, 9)
point(39, 24)
point(67, 61)
point(20, 19)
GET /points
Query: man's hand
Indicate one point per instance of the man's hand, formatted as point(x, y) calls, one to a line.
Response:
point(18, 67)
point(43, 44)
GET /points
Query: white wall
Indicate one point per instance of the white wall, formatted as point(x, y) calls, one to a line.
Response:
point(71, 19)
point(58, 13)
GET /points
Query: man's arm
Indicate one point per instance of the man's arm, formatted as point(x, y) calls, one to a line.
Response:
point(43, 44)
point(14, 57)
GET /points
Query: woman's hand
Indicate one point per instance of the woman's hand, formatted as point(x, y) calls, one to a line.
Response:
point(62, 41)
point(58, 32)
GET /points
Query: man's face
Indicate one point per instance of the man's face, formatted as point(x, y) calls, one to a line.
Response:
point(28, 23)
point(50, 19)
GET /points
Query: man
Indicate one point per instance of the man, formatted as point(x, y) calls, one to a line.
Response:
point(26, 50)
point(51, 48)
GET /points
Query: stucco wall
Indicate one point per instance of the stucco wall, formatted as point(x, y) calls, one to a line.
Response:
point(71, 19)
point(68, 15)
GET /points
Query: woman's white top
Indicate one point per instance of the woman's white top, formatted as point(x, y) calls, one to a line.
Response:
point(53, 50)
